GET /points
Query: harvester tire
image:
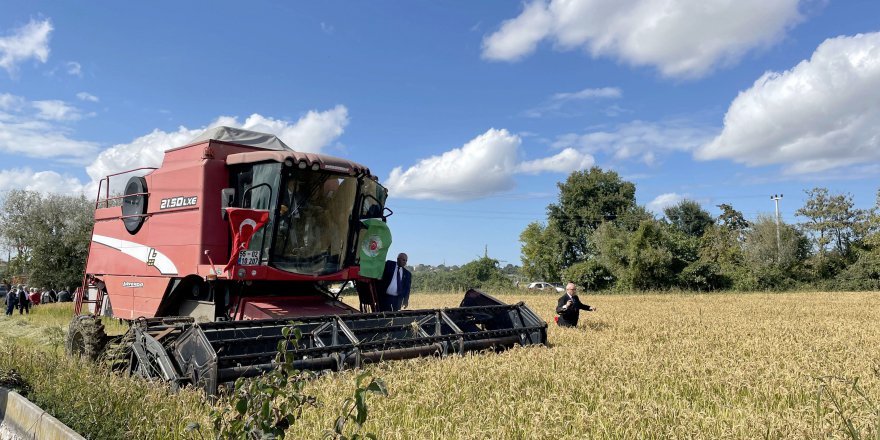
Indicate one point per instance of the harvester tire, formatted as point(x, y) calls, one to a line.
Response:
point(86, 338)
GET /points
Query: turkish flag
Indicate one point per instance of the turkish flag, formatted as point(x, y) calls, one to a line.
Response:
point(244, 223)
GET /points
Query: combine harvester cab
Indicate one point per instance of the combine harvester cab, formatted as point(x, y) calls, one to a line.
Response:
point(235, 237)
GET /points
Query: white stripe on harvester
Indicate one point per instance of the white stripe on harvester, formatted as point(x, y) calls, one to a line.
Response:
point(139, 251)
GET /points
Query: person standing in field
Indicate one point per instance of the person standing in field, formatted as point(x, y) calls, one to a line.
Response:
point(64, 295)
point(45, 298)
point(569, 307)
point(24, 304)
point(11, 300)
point(395, 285)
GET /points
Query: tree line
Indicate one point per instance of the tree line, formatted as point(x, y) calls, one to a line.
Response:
point(595, 235)
point(46, 238)
point(598, 237)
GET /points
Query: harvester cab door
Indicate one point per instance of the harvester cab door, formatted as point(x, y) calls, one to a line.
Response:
point(370, 206)
point(256, 187)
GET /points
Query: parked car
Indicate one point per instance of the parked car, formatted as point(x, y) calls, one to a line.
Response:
point(541, 285)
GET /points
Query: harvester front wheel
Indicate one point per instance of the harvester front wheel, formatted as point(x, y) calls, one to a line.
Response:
point(86, 337)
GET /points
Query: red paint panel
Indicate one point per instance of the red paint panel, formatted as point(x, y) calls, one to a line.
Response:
point(130, 300)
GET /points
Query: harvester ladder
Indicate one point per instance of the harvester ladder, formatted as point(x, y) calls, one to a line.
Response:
point(82, 294)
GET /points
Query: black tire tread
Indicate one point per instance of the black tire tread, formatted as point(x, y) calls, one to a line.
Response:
point(94, 338)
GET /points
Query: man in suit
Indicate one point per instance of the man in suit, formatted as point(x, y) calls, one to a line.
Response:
point(394, 285)
point(569, 307)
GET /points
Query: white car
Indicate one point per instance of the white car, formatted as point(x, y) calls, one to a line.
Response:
point(540, 285)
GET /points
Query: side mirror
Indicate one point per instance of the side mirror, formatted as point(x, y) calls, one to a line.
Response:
point(227, 197)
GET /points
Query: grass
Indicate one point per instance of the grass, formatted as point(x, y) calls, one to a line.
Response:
point(789, 365)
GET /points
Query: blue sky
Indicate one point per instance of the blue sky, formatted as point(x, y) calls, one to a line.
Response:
point(470, 112)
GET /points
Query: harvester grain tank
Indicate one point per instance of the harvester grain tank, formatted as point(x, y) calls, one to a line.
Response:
point(211, 255)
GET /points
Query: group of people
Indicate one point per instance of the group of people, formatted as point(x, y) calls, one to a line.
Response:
point(23, 297)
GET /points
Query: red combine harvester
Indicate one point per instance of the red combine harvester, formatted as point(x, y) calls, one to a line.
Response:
point(235, 236)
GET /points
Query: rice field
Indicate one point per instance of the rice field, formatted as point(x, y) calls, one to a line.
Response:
point(731, 365)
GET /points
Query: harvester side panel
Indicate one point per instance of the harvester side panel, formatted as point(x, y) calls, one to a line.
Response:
point(214, 230)
point(133, 297)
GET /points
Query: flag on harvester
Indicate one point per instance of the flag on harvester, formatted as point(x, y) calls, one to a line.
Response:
point(244, 223)
point(374, 244)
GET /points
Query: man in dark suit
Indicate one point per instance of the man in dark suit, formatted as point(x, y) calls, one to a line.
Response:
point(569, 307)
point(394, 285)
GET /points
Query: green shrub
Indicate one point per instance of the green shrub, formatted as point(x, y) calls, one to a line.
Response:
point(591, 275)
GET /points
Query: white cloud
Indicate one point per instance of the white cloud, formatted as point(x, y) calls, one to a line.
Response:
point(38, 134)
point(10, 102)
point(40, 181)
point(822, 114)
point(311, 133)
point(482, 167)
point(84, 96)
point(55, 110)
point(519, 36)
point(558, 100)
point(26, 42)
point(566, 161)
point(682, 38)
point(604, 92)
point(663, 201)
point(74, 68)
point(638, 140)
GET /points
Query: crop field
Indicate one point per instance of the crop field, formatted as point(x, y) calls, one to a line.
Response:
point(732, 365)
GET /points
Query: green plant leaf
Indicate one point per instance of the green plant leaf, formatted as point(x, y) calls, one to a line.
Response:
point(377, 385)
point(241, 406)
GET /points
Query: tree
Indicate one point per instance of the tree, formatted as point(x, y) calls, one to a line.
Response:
point(610, 244)
point(482, 272)
point(591, 275)
point(650, 259)
point(732, 220)
point(688, 217)
point(541, 251)
point(767, 266)
point(586, 200)
point(830, 220)
point(19, 211)
point(50, 235)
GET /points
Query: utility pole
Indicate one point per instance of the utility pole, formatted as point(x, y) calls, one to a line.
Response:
point(776, 199)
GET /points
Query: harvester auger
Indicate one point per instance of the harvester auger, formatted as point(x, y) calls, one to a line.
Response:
point(235, 237)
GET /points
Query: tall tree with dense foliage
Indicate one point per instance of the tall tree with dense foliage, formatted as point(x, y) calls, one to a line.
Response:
point(50, 235)
point(774, 264)
point(688, 217)
point(732, 220)
point(586, 200)
point(831, 220)
point(541, 251)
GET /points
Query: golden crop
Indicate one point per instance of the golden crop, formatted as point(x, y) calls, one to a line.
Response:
point(729, 365)
point(646, 366)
